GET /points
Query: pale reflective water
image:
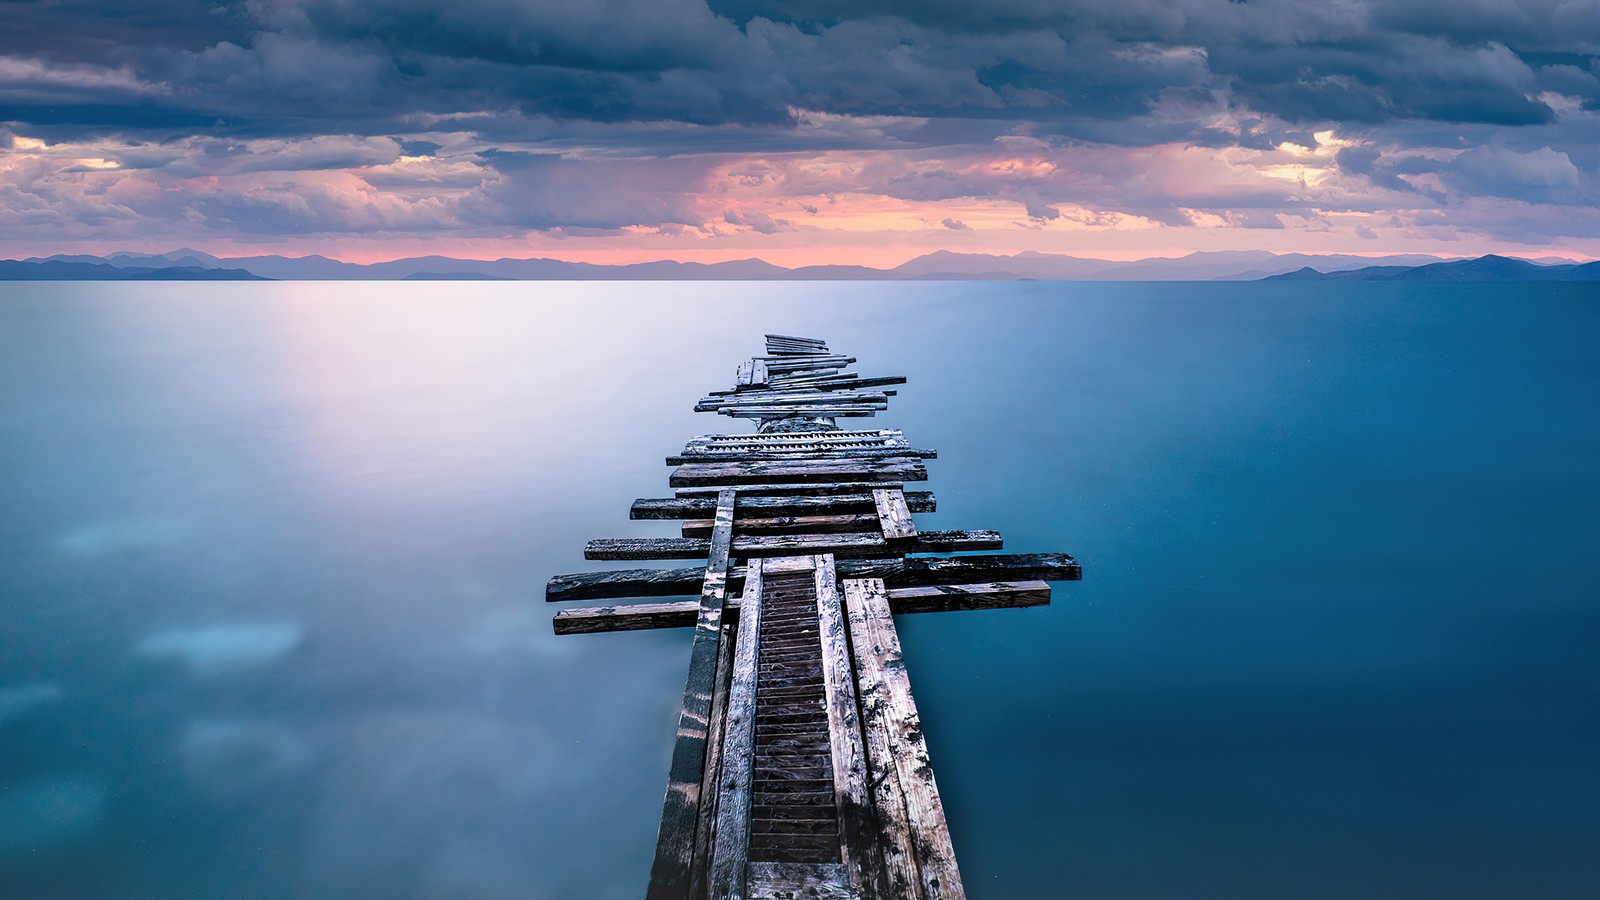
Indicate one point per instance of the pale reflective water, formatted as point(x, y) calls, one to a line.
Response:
point(271, 562)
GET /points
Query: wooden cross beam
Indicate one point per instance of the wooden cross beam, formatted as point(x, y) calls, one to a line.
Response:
point(778, 505)
point(914, 572)
point(903, 600)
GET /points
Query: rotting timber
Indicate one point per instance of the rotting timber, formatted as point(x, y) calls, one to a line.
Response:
point(799, 768)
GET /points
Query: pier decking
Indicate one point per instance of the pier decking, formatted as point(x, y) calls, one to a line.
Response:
point(799, 768)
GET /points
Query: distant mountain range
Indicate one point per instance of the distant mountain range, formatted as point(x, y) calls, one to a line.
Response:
point(1484, 268)
point(61, 270)
point(1230, 265)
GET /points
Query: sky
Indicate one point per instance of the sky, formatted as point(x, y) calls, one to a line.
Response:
point(818, 131)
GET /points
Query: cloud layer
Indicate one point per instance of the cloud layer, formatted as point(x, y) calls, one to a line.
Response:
point(682, 128)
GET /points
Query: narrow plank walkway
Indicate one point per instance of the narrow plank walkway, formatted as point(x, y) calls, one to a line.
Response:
point(799, 770)
point(793, 816)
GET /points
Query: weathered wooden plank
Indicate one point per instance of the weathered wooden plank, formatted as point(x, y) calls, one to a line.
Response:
point(789, 395)
point(803, 453)
point(809, 365)
point(791, 398)
point(926, 570)
point(841, 381)
point(780, 379)
point(856, 820)
point(874, 400)
point(891, 437)
point(817, 406)
point(670, 873)
point(792, 504)
point(838, 381)
point(717, 473)
point(917, 571)
point(853, 542)
point(731, 833)
point(801, 377)
point(633, 617)
point(705, 822)
point(795, 338)
point(894, 823)
point(742, 376)
point(902, 601)
point(794, 881)
point(758, 372)
point(790, 355)
point(795, 347)
point(905, 768)
point(828, 524)
point(894, 515)
point(825, 488)
point(807, 380)
point(858, 411)
point(832, 360)
point(753, 393)
point(954, 597)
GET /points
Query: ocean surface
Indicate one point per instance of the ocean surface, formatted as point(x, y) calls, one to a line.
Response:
point(272, 560)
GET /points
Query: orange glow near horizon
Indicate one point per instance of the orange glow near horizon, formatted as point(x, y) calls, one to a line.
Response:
point(875, 208)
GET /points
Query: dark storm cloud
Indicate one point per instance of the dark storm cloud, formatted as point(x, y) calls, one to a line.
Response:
point(1075, 68)
point(613, 114)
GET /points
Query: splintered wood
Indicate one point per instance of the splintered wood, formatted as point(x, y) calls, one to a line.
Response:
point(799, 768)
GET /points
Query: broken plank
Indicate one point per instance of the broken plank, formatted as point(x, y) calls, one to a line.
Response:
point(732, 473)
point(646, 548)
point(803, 453)
point(902, 765)
point(795, 338)
point(894, 823)
point(704, 822)
point(823, 524)
point(832, 360)
point(695, 507)
point(819, 488)
point(674, 858)
point(821, 412)
point(709, 441)
point(771, 392)
point(856, 543)
point(955, 597)
point(902, 601)
point(789, 398)
point(794, 398)
point(917, 571)
point(829, 382)
point(731, 833)
point(757, 545)
point(632, 617)
point(894, 515)
point(851, 796)
point(876, 400)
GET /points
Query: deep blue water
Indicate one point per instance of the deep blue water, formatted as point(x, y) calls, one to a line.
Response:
point(272, 558)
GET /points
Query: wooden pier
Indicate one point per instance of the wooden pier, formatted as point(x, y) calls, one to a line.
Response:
point(800, 769)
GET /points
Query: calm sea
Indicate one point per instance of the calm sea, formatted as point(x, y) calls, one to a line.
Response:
point(272, 559)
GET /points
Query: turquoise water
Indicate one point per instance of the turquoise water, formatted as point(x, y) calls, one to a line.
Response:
point(272, 557)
